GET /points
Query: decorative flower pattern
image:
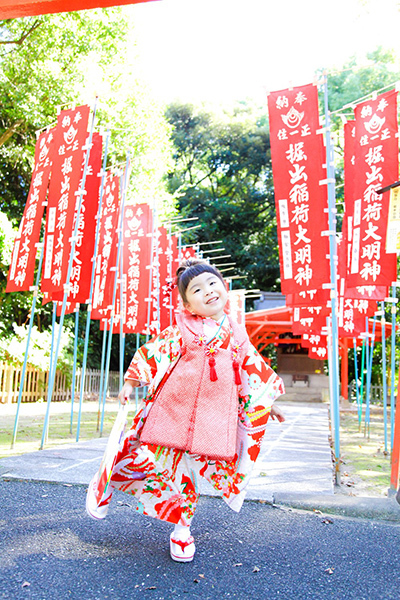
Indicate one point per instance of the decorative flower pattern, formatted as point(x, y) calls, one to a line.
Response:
point(165, 480)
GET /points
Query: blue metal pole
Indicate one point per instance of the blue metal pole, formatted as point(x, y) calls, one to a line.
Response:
point(74, 365)
point(122, 293)
point(23, 372)
point(362, 381)
point(334, 372)
point(170, 270)
point(136, 389)
point(90, 299)
point(384, 380)
point(68, 278)
point(151, 274)
point(356, 377)
point(369, 377)
point(103, 360)
point(107, 365)
point(52, 366)
point(393, 366)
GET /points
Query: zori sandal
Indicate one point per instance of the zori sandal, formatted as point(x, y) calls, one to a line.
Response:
point(182, 551)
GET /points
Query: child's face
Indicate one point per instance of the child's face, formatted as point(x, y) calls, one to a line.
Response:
point(206, 296)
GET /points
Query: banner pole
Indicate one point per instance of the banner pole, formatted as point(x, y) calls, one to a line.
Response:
point(121, 308)
point(52, 367)
point(356, 377)
point(384, 380)
point(108, 357)
point(362, 374)
point(70, 261)
point(369, 378)
point(74, 366)
point(103, 360)
point(392, 366)
point(334, 373)
point(158, 326)
point(90, 299)
point(25, 363)
point(136, 388)
point(151, 273)
point(170, 270)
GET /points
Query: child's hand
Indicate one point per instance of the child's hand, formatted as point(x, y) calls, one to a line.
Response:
point(276, 413)
point(127, 390)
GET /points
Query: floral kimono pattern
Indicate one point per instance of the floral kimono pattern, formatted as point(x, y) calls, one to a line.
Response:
point(165, 481)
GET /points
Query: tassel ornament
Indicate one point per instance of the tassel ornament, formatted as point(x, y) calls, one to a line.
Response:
point(236, 368)
point(213, 372)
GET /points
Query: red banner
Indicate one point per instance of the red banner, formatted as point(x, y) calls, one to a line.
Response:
point(309, 319)
point(81, 272)
point(344, 247)
point(319, 297)
point(316, 345)
point(298, 156)
point(21, 273)
point(70, 136)
point(237, 305)
point(376, 165)
point(186, 252)
point(136, 266)
point(107, 250)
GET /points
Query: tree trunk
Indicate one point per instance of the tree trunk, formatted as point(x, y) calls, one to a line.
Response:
point(10, 131)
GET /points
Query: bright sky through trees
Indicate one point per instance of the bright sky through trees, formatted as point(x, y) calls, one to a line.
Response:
point(222, 50)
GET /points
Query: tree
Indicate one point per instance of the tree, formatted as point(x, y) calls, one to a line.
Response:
point(222, 175)
point(58, 60)
point(350, 85)
point(55, 60)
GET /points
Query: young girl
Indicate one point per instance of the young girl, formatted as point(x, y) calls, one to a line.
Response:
point(209, 399)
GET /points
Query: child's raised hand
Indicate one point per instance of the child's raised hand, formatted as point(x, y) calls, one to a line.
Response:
point(127, 390)
point(276, 413)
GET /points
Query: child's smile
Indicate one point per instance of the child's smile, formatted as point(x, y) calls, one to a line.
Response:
point(206, 296)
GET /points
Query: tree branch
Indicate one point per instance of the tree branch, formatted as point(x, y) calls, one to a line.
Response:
point(23, 37)
point(10, 131)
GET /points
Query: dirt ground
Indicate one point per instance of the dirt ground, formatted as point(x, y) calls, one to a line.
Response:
point(365, 451)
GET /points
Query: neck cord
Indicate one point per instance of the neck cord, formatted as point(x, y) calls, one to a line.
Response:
point(218, 330)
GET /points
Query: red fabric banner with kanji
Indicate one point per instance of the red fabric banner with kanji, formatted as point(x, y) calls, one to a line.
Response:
point(167, 266)
point(316, 345)
point(21, 273)
point(82, 264)
point(298, 156)
point(309, 319)
point(136, 266)
point(344, 247)
point(69, 138)
point(107, 249)
point(376, 166)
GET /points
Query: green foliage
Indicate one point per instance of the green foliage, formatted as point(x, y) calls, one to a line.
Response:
point(355, 82)
point(12, 349)
point(222, 175)
point(352, 84)
point(56, 60)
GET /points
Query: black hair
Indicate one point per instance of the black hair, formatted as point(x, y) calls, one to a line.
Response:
point(191, 268)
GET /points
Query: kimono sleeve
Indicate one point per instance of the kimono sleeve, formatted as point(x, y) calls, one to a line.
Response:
point(260, 386)
point(151, 361)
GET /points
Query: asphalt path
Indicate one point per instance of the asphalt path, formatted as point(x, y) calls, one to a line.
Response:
point(50, 549)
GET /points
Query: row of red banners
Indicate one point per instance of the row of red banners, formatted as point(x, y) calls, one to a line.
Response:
point(365, 269)
point(149, 255)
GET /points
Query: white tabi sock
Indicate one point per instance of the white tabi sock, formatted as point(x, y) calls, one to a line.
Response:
point(181, 532)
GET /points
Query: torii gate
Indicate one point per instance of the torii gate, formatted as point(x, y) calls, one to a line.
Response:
point(12, 9)
point(265, 326)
